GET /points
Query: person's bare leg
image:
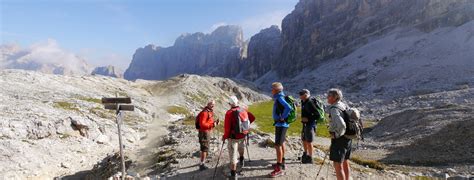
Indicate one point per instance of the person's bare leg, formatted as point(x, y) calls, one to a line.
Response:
point(305, 148)
point(339, 171)
point(203, 156)
point(279, 153)
point(345, 166)
point(283, 150)
point(310, 149)
point(233, 167)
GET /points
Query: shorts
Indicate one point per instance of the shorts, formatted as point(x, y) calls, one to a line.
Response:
point(308, 133)
point(235, 146)
point(204, 138)
point(280, 135)
point(340, 149)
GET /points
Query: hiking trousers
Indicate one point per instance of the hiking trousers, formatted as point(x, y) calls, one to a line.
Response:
point(234, 146)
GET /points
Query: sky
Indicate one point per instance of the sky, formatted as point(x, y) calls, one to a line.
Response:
point(108, 32)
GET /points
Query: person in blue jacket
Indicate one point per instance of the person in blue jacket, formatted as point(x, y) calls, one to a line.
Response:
point(281, 110)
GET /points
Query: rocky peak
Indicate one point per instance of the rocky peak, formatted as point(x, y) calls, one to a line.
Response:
point(107, 71)
point(196, 53)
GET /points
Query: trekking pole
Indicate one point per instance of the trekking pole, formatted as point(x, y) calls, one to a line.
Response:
point(218, 158)
point(321, 167)
point(247, 146)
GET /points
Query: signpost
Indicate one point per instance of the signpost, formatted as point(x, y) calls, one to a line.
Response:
point(119, 104)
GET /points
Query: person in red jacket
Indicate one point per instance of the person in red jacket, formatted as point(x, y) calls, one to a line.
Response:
point(236, 140)
point(206, 124)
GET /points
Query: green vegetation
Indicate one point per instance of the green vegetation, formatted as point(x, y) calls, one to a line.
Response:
point(177, 110)
point(106, 114)
point(92, 100)
point(65, 106)
point(370, 163)
point(423, 178)
point(264, 120)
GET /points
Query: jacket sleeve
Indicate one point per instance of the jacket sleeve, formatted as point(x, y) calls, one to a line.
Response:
point(337, 124)
point(227, 126)
point(205, 122)
point(287, 106)
point(251, 117)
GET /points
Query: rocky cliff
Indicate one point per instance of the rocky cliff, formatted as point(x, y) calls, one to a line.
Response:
point(319, 30)
point(107, 71)
point(262, 53)
point(196, 53)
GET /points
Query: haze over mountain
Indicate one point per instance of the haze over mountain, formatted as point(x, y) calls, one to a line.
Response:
point(45, 57)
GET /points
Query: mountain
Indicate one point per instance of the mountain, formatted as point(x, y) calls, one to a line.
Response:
point(45, 57)
point(107, 71)
point(196, 53)
point(321, 30)
point(262, 53)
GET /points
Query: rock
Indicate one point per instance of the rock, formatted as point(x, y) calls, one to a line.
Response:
point(268, 143)
point(451, 171)
point(81, 124)
point(102, 139)
point(262, 53)
point(107, 71)
point(217, 53)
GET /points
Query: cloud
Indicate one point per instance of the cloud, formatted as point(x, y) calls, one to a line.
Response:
point(45, 56)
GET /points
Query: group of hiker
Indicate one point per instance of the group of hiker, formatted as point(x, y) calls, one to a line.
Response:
point(343, 127)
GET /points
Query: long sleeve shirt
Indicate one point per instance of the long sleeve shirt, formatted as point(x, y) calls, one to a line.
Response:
point(277, 115)
point(231, 120)
point(206, 120)
point(337, 124)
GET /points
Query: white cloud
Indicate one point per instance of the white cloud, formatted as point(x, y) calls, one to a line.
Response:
point(45, 56)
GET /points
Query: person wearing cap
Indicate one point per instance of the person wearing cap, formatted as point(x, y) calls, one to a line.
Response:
point(309, 115)
point(235, 140)
point(281, 110)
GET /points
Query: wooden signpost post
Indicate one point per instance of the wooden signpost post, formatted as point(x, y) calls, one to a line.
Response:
point(119, 104)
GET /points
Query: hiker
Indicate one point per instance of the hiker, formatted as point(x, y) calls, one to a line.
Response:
point(205, 124)
point(340, 149)
point(235, 134)
point(309, 117)
point(281, 111)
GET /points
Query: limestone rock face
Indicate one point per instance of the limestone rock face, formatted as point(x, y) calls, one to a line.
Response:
point(107, 71)
point(263, 51)
point(196, 53)
point(319, 30)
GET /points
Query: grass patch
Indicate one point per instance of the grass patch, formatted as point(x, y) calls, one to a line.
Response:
point(65, 106)
point(370, 163)
point(178, 110)
point(423, 178)
point(91, 100)
point(264, 120)
point(106, 114)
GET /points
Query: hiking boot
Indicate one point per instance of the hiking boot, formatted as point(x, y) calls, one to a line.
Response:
point(308, 160)
point(203, 167)
point(277, 172)
point(233, 175)
point(302, 157)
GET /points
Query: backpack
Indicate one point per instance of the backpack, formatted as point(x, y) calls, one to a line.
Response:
point(242, 124)
point(319, 106)
point(292, 115)
point(353, 122)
